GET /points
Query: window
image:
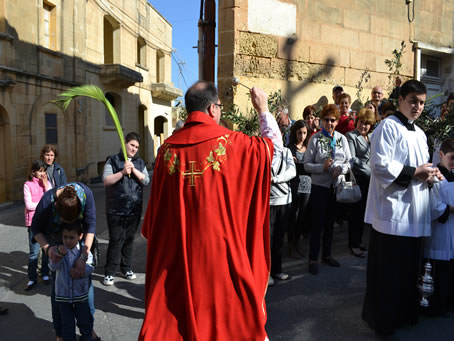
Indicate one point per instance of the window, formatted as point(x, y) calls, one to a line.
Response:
point(51, 128)
point(111, 40)
point(49, 26)
point(160, 66)
point(430, 67)
point(141, 52)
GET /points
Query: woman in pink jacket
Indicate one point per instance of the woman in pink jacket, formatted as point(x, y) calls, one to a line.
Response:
point(34, 189)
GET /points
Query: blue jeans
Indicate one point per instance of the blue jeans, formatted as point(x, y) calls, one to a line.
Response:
point(71, 312)
point(56, 315)
point(33, 259)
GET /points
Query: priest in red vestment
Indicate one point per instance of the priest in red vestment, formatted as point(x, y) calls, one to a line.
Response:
point(207, 226)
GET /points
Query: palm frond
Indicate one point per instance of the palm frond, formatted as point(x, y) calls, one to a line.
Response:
point(95, 92)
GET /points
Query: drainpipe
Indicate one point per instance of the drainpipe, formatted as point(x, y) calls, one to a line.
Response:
point(417, 71)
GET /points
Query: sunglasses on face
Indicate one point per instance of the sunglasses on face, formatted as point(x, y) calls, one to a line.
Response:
point(330, 120)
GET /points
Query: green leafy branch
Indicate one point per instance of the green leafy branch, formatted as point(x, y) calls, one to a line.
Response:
point(363, 79)
point(395, 63)
point(436, 129)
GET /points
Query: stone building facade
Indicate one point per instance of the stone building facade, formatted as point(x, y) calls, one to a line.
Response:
point(305, 47)
point(48, 46)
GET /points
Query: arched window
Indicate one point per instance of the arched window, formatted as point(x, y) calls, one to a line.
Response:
point(160, 129)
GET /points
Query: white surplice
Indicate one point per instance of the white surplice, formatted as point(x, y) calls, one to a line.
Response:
point(440, 245)
point(391, 208)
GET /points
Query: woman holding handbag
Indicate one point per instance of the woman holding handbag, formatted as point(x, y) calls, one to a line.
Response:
point(326, 158)
point(359, 143)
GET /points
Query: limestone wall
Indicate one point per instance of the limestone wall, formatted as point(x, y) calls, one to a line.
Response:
point(330, 43)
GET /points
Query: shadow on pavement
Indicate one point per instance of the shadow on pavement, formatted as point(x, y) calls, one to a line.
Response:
point(22, 324)
point(13, 274)
point(112, 302)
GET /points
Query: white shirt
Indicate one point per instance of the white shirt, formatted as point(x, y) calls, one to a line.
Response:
point(392, 208)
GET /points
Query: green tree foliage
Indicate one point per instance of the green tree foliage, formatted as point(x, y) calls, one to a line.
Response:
point(436, 129)
point(363, 79)
point(395, 64)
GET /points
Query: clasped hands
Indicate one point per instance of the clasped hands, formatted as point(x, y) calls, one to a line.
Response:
point(57, 252)
point(128, 168)
point(428, 173)
point(327, 164)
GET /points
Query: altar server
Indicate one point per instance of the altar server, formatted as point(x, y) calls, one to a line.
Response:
point(398, 207)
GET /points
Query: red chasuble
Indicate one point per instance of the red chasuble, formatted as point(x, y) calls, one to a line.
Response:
point(207, 226)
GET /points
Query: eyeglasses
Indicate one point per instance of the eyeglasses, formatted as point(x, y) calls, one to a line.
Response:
point(219, 105)
point(330, 120)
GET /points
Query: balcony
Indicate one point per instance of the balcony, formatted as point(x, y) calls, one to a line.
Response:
point(119, 75)
point(165, 91)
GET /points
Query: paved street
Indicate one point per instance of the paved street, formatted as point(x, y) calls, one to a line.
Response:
point(323, 307)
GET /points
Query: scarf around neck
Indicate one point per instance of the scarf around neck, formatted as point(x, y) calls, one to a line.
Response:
point(332, 143)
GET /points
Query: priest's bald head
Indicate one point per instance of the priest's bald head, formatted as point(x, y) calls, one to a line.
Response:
point(203, 96)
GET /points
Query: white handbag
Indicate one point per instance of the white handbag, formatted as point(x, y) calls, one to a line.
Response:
point(348, 192)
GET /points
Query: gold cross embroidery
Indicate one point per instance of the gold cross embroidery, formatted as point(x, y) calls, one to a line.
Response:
point(193, 173)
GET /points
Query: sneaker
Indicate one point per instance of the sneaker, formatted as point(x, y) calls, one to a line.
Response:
point(129, 275)
point(270, 281)
point(46, 280)
point(30, 285)
point(108, 280)
point(282, 276)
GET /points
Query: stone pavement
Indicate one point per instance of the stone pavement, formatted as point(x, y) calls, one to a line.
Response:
point(306, 307)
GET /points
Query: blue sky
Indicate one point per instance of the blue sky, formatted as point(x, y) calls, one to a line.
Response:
point(183, 15)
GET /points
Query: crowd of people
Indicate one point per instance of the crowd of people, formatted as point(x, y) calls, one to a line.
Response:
point(221, 204)
point(403, 199)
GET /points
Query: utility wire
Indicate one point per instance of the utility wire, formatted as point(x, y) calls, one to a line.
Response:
point(179, 63)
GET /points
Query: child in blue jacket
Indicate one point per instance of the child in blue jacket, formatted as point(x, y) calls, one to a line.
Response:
point(71, 294)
